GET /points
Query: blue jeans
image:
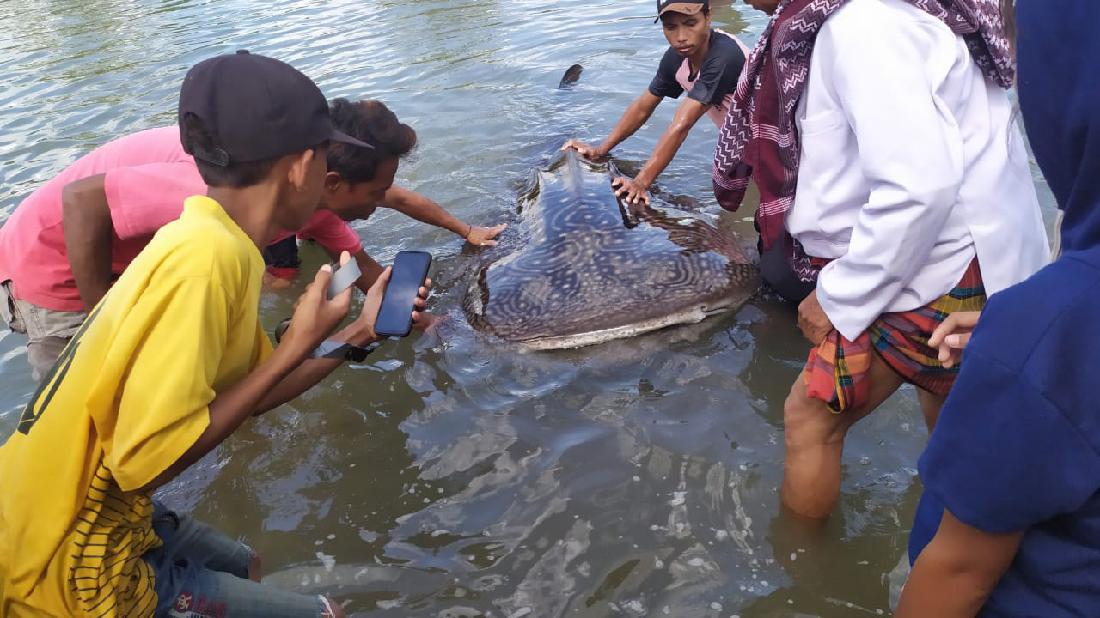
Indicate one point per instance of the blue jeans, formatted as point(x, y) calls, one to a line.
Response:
point(201, 573)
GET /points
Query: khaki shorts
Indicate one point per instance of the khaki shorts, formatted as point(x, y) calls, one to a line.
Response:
point(36, 322)
point(47, 330)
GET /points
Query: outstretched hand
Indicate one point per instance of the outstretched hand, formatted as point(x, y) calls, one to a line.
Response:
point(315, 315)
point(630, 190)
point(484, 236)
point(953, 335)
point(586, 151)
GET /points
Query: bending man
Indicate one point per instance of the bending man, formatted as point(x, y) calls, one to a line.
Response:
point(704, 62)
point(68, 241)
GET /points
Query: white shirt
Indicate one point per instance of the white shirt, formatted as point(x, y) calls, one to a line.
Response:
point(911, 165)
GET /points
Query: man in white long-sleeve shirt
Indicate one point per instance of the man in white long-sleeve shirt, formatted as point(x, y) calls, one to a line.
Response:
point(912, 200)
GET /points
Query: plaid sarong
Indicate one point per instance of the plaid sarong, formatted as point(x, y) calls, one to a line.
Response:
point(837, 371)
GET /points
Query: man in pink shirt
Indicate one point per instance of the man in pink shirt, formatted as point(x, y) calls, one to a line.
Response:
point(69, 240)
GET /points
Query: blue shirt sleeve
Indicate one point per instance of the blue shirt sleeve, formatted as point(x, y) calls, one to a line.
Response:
point(1002, 457)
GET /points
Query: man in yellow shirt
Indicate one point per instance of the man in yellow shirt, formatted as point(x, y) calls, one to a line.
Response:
point(168, 365)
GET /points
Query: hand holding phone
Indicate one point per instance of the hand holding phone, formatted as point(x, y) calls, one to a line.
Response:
point(346, 274)
point(409, 274)
point(319, 310)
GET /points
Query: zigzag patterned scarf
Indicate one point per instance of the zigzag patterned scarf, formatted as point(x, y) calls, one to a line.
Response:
point(759, 138)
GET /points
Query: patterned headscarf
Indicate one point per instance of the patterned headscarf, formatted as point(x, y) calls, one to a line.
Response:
point(759, 139)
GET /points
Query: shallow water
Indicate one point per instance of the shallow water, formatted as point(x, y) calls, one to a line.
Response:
point(451, 475)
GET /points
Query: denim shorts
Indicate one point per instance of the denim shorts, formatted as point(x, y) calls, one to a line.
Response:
point(201, 573)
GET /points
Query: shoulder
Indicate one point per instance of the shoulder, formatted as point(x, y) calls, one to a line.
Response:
point(670, 62)
point(205, 246)
point(867, 42)
point(875, 21)
point(334, 234)
point(863, 13)
point(158, 179)
point(724, 49)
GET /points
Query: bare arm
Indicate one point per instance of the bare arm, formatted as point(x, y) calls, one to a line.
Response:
point(422, 208)
point(312, 371)
point(231, 408)
point(958, 570)
point(687, 114)
point(632, 119)
point(89, 237)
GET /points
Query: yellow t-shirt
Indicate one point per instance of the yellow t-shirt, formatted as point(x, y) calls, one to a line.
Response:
point(126, 399)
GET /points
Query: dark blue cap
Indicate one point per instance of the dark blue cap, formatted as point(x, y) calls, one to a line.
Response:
point(256, 108)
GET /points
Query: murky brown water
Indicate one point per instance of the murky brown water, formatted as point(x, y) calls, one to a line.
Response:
point(453, 476)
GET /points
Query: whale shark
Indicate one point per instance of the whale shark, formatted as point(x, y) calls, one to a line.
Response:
point(584, 267)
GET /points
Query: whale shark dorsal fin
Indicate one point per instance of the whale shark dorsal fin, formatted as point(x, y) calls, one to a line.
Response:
point(572, 74)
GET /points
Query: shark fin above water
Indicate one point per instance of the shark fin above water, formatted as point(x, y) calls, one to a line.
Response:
point(572, 74)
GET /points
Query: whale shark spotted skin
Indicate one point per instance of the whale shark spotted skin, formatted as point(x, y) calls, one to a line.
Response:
point(590, 268)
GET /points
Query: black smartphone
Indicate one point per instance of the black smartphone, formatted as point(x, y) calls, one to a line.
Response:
point(410, 268)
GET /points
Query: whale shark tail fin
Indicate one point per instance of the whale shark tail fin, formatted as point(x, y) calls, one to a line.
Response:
point(572, 74)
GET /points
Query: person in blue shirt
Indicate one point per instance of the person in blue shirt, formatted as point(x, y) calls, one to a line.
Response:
point(1009, 524)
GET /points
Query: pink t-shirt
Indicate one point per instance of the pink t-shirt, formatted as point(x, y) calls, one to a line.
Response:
point(147, 175)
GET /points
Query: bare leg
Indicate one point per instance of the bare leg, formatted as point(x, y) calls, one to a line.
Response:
point(814, 437)
point(42, 354)
point(255, 568)
point(930, 405)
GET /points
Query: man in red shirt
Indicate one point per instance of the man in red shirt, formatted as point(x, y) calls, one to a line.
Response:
point(68, 241)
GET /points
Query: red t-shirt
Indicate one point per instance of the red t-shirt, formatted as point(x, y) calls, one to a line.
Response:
point(147, 178)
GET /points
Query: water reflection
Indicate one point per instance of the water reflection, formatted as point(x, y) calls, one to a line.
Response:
point(453, 475)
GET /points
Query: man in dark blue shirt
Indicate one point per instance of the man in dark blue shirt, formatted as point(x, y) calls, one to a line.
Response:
point(704, 62)
point(1009, 524)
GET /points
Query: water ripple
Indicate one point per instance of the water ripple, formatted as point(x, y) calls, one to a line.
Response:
point(452, 475)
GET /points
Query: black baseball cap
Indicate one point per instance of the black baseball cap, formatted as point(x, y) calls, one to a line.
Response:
point(676, 6)
point(255, 108)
